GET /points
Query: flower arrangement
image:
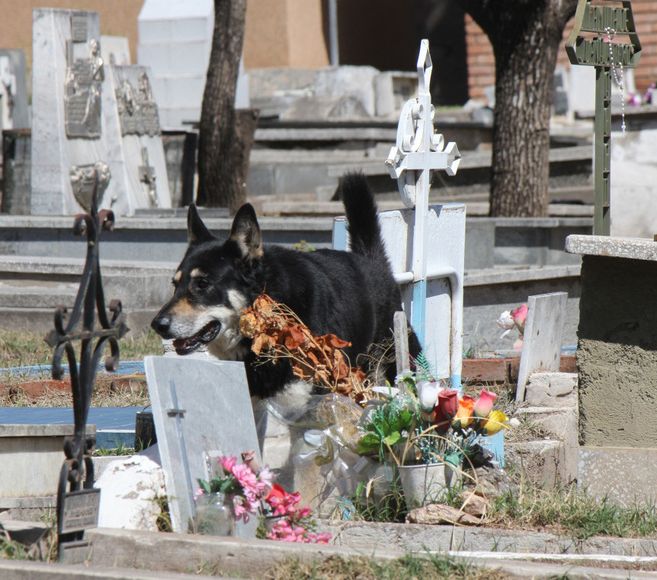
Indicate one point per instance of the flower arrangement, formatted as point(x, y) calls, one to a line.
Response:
point(426, 422)
point(514, 319)
point(293, 523)
point(245, 483)
point(251, 490)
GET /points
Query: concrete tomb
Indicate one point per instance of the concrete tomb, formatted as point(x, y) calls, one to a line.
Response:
point(201, 409)
point(617, 364)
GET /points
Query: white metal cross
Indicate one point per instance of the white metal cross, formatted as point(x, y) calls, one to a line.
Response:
point(417, 152)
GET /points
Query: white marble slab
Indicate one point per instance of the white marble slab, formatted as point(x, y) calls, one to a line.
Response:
point(201, 408)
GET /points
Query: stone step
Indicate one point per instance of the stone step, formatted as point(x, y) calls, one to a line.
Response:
point(19, 294)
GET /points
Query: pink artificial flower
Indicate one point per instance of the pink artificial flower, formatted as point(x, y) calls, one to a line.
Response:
point(227, 463)
point(265, 480)
point(484, 404)
point(247, 479)
point(519, 316)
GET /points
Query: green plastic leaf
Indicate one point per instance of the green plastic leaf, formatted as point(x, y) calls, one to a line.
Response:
point(392, 438)
point(368, 443)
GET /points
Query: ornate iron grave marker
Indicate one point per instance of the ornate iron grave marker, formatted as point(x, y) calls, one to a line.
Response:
point(77, 500)
point(417, 152)
point(594, 42)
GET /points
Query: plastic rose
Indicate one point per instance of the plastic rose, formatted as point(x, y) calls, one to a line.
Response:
point(484, 404)
point(519, 315)
point(428, 395)
point(506, 322)
point(463, 417)
point(496, 421)
point(448, 404)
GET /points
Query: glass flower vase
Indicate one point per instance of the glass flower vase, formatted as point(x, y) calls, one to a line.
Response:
point(214, 516)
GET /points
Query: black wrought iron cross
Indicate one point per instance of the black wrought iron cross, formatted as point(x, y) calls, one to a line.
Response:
point(76, 497)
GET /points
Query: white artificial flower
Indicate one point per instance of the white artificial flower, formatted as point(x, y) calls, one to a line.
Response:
point(506, 322)
point(428, 395)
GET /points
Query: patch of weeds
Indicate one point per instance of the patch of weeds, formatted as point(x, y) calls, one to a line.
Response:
point(368, 507)
point(526, 430)
point(572, 511)
point(431, 567)
point(12, 550)
point(163, 521)
point(304, 246)
point(24, 348)
point(120, 450)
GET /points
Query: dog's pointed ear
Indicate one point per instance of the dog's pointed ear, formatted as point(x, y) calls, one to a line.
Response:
point(246, 233)
point(196, 230)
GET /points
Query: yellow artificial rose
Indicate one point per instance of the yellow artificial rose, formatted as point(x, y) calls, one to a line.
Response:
point(496, 421)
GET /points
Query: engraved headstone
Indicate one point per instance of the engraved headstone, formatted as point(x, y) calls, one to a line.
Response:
point(76, 122)
point(68, 120)
point(13, 93)
point(201, 409)
point(115, 50)
point(136, 125)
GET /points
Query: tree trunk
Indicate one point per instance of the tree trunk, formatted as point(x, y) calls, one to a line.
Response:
point(221, 166)
point(525, 35)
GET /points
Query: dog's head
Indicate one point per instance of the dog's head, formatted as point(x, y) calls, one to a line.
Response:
point(212, 285)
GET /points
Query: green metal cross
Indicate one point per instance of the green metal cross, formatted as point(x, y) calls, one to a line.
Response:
point(601, 22)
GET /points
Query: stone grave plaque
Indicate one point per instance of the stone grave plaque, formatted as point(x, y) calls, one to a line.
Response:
point(80, 510)
point(84, 86)
point(202, 409)
point(13, 93)
point(141, 157)
point(68, 110)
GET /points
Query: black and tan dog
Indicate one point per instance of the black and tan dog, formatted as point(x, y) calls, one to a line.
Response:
point(350, 294)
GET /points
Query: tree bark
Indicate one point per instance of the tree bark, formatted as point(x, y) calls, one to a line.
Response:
point(525, 35)
point(221, 165)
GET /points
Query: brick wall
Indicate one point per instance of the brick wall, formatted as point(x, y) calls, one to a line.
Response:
point(481, 63)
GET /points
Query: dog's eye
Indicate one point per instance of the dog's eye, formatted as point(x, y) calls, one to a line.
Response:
point(202, 283)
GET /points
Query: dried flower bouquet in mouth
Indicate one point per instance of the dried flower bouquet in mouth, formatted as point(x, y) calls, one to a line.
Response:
point(278, 333)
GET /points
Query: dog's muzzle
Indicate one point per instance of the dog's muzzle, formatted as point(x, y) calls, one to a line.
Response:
point(185, 345)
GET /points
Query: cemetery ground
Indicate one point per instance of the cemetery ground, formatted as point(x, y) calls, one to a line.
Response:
point(542, 528)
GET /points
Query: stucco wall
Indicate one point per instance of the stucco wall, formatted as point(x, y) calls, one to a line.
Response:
point(117, 18)
point(281, 33)
point(617, 353)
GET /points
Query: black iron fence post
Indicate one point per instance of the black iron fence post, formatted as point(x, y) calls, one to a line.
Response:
point(77, 500)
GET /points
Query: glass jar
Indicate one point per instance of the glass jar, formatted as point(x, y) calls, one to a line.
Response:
point(214, 515)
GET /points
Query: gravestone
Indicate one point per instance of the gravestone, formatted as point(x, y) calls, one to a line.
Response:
point(542, 337)
point(68, 87)
point(13, 92)
point(134, 124)
point(201, 409)
point(115, 50)
point(76, 122)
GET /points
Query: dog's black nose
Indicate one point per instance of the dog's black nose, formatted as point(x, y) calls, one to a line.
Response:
point(161, 324)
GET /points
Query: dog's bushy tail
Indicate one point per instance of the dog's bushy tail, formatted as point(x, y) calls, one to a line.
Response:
point(364, 229)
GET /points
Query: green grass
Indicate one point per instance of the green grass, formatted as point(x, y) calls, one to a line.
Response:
point(22, 348)
point(573, 512)
point(368, 507)
point(427, 567)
